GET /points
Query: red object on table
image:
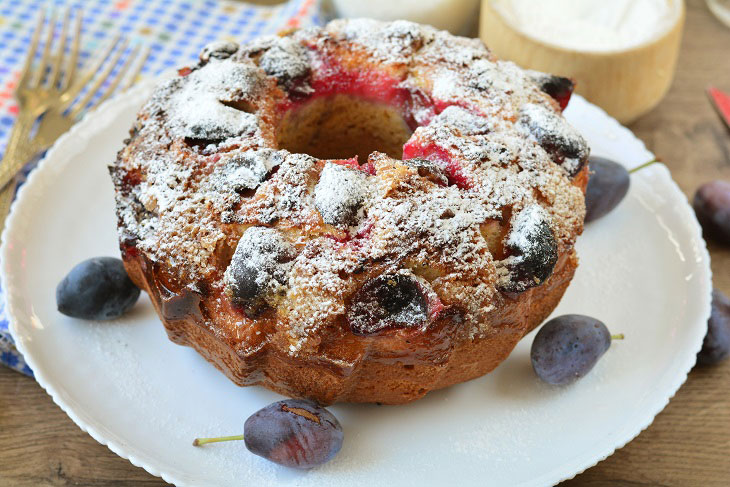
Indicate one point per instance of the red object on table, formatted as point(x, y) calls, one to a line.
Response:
point(721, 100)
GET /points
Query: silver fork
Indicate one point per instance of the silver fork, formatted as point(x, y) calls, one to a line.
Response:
point(49, 98)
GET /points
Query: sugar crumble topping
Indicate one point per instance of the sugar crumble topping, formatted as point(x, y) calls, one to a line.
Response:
point(490, 145)
point(395, 42)
point(240, 172)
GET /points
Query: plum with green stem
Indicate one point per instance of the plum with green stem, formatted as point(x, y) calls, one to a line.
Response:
point(567, 347)
point(295, 433)
point(607, 186)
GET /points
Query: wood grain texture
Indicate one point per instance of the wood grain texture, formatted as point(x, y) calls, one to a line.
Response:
point(688, 443)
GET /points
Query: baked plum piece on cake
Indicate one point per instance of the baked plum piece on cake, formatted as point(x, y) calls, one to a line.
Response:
point(363, 212)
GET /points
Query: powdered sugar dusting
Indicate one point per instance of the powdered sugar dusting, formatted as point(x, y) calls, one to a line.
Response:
point(527, 224)
point(441, 219)
point(393, 42)
point(239, 172)
point(555, 134)
point(533, 243)
point(286, 60)
point(340, 194)
point(258, 268)
point(218, 50)
point(456, 52)
point(287, 196)
point(203, 168)
point(317, 291)
point(165, 220)
point(198, 110)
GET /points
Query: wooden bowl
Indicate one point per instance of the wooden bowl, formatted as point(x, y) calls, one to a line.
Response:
point(626, 83)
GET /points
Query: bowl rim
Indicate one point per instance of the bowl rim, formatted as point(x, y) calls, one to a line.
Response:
point(678, 21)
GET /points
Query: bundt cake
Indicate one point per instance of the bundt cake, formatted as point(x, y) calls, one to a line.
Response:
point(362, 212)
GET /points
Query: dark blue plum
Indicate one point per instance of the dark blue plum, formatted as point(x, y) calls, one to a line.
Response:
point(716, 346)
point(567, 347)
point(712, 207)
point(607, 186)
point(96, 289)
point(294, 433)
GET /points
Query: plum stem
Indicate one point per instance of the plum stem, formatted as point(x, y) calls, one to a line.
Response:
point(642, 166)
point(618, 336)
point(203, 441)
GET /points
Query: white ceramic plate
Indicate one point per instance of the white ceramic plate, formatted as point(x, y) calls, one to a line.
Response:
point(644, 271)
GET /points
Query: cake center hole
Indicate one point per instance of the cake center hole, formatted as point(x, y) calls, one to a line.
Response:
point(343, 126)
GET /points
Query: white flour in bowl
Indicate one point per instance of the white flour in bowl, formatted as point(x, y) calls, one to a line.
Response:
point(590, 25)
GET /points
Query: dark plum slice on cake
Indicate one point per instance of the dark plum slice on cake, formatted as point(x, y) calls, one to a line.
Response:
point(218, 50)
point(179, 305)
point(532, 249)
point(558, 87)
point(340, 194)
point(258, 266)
point(397, 300)
point(428, 169)
point(244, 172)
point(554, 134)
point(286, 60)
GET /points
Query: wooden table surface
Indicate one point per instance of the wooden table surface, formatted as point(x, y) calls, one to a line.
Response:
point(687, 445)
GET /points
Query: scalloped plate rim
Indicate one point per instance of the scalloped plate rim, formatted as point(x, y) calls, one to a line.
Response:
point(138, 94)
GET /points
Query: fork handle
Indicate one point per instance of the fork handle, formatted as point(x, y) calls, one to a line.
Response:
point(19, 149)
point(6, 199)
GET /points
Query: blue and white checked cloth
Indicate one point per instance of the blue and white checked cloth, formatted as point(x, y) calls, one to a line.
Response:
point(174, 30)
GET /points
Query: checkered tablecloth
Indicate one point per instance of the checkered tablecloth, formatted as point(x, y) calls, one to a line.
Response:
point(174, 30)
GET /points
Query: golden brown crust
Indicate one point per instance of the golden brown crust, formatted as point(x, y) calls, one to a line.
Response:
point(389, 375)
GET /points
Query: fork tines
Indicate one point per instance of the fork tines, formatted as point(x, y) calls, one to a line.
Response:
point(49, 68)
point(52, 95)
point(59, 79)
point(101, 80)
